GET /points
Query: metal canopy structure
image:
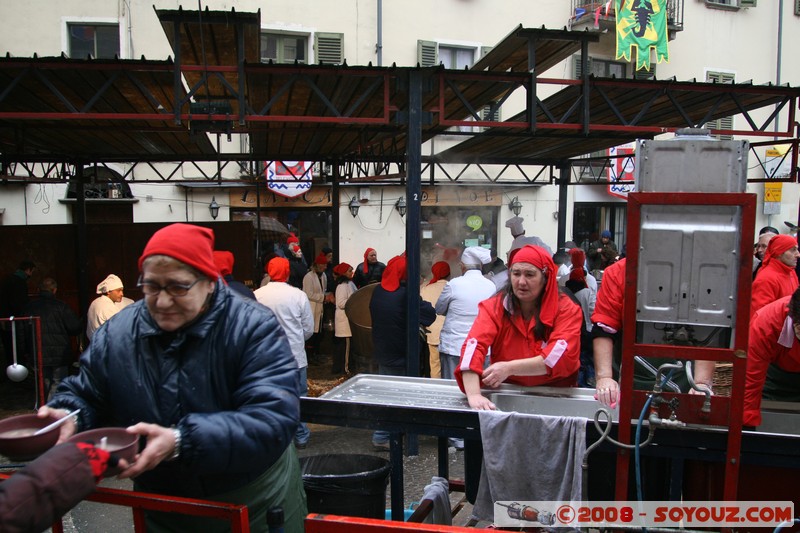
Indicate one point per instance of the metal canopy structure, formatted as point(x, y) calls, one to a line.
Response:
point(61, 110)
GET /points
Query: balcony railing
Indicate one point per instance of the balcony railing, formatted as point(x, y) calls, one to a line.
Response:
point(601, 15)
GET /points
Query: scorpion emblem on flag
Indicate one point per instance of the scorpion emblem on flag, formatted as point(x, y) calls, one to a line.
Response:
point(641, 25)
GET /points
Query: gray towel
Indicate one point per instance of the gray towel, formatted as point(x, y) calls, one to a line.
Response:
point(529, 458)
point(438, 492)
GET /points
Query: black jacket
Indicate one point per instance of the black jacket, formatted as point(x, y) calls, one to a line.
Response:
point(389, 324)
point(373, 275)
point(228, 382)
point(59, 323)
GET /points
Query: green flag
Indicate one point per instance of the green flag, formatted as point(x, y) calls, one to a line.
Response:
point(642, 24)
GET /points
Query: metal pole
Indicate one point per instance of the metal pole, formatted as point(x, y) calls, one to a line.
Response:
point(81, 240)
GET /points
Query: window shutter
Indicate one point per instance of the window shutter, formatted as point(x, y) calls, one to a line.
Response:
point(329, 48)
point(577, 66)
point(797, 7)
point(427, 53)
point(488, 115)
point(645, 74)
point(725, 123)
point(486, 49)
point(748, 3)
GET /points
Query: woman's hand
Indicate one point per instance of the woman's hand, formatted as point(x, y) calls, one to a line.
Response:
point(480, 403)
point(68, 429)
point(496, 374)
point(607, 392)
point(160, 446)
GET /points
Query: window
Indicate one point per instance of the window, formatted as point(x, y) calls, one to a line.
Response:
point(431, 53)
point(454, 57)
point(731, 4)
point(725, 123)
point(283, 48)
point(100, 41)
point(601, 68)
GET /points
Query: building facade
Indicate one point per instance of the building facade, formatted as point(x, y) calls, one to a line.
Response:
point(710, 40)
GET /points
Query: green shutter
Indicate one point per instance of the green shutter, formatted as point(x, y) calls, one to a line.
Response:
point(577, 66)
point(797, 7)
point(725, 123)
point(427, 53)
point(748, 3)
point(487, 114)
point(329, 48)
point(645, 74)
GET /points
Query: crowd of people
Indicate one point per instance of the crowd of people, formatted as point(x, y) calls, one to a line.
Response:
point(210, 372)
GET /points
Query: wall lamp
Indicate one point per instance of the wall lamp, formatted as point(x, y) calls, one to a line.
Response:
point(213, 207)
point(516, 206)
point(401, 206)
point(353, 206)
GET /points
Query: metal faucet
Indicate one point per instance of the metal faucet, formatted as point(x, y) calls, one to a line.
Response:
point(704, 389)
point(650, 368)
point(666, 366)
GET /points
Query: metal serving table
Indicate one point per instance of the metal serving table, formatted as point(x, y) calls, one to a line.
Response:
point(406, 405)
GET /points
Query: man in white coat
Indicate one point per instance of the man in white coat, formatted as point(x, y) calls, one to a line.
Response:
point(293, 311)
point(104, 306)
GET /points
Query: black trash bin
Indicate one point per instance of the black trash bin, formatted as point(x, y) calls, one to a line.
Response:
point(347, 485)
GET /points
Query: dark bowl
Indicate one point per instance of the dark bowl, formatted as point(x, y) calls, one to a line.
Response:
point(17, 441)
point(118, 442)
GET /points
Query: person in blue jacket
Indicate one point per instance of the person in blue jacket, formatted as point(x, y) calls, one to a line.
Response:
point(206, 377)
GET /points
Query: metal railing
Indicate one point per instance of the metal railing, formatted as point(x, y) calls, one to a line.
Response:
point(583, 12)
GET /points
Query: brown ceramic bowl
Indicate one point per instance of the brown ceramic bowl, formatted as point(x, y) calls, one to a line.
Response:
point(17, 439)
point(118, 442)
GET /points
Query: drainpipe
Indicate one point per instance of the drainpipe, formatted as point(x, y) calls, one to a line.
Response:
point(379, 46)
point(778, 59)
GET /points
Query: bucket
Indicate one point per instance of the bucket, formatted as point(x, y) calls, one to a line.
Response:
point(347, 485)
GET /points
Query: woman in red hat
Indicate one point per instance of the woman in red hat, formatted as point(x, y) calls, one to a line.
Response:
point(206, 377)
point(532, 329)
point(777, 277)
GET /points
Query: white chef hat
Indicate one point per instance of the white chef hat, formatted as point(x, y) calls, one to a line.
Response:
point(515, 225)
point(111, 283)
point(476, 256)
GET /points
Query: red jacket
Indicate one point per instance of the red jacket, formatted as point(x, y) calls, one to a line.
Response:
point(610, 297)
point(773, 281)
point(764, 349)
point(509, 338)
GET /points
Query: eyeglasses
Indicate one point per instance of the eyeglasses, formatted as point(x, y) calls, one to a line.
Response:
point(173, 289)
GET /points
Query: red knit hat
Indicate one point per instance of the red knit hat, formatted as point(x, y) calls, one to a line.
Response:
point(579, 275)
point(341, 269)
point(394, 273)
point(292, 238)
point(440, 270)
point(278, 269)
point(777, 246)
point(366, 263)
point(541, 259)
point(224, 261)
point(321, 259)
point(578, 257)
point(186, 243)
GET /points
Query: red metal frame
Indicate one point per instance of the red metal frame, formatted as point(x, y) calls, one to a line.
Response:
point(319, 523)
point(139, 502)
point(725, 411)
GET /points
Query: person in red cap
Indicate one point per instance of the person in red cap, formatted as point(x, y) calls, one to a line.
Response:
point(430, 292)
point(224, 261)
point(387, 308)
point(577, 286)
point(370, 270)
point(206, 377)
point(345, 288)
point(777, 277)
point(315, 285)
point(532, 329)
